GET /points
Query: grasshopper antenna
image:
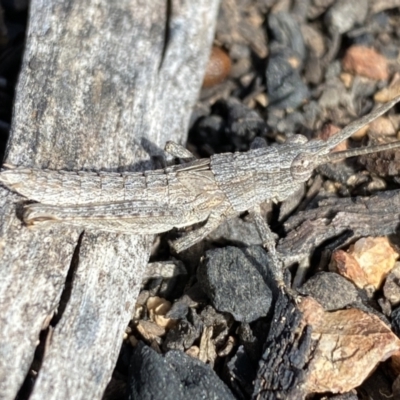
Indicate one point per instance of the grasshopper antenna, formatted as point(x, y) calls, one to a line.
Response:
point(341, 155)
point(358, 124)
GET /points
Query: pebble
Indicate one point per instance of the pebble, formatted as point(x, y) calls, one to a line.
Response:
point(382, 126)
point(366, 62)
point(218, 67)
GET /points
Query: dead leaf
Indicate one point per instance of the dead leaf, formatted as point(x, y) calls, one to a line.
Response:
point(348, 346)
point(367, 262)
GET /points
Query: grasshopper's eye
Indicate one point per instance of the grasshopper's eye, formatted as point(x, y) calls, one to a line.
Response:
point(302, 167)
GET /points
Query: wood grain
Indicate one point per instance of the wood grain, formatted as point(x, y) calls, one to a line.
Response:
point(103, 85)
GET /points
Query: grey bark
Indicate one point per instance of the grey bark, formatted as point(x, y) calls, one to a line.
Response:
point(103, 86)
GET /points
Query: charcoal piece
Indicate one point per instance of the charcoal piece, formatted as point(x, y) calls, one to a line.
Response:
point(242, 372)
point(115, 390)
point(237, 231)
point(242, 121)
point(376, 215)
point(331, 290)
point(286, 353)
point(209, 130)
point(252, 338)
point(176, 376)
point(231, 127)
point(185, 333)
point(231, 278)
point(396, 321)
point(198, 379)
point(195, 295)
point(284, 84)
point(124, 358)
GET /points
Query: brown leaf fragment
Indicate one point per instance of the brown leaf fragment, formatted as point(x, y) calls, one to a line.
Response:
point(207, 351)
point(149, 330)
point(158, 308)
point(348, 346)
point(366, 62)
point(367, 262)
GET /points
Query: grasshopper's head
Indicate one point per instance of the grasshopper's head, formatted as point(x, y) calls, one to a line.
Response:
point(304, 163)
point(302, 166)
point(317, 153)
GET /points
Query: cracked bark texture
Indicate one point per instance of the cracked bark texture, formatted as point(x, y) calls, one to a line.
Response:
point(342, 218)
point(103, 85)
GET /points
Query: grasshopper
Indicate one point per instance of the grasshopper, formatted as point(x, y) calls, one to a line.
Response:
point(207, 191)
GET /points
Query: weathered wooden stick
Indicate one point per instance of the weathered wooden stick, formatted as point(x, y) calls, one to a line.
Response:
point(103, 86)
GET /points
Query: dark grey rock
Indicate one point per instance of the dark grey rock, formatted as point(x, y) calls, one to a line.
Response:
point(178, 310)
point(284, 84)
point(396, 321)
point(285, 30)
point(331, 290)
point(185, 333)
point(176, 376)
point(235, 281)
point(344, 15)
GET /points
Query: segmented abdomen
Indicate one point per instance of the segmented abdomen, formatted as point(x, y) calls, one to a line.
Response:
point(64, 187)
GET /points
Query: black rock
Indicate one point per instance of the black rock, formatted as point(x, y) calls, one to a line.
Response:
point(176, 376)
point(235, 281)
point(331, 290)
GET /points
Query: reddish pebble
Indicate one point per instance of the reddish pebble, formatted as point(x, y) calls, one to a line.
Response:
point(329, 130)
point(366, 62)
point(218, 67)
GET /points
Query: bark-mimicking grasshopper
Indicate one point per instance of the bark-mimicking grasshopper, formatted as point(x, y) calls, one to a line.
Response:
point(205, 190)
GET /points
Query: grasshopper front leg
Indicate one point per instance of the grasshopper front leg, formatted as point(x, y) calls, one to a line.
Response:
point(269, 242)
